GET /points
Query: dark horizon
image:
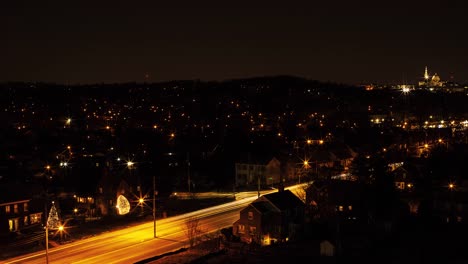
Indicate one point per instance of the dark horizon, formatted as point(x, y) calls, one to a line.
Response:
point(250, 78)
point(113, 42)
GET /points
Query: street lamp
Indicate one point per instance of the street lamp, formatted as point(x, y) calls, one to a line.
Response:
point(47, 167)
point(60, 229)
point(305, 166)
point(141, 202)
point(131, 166)
point(451, 186)
point(46, 235)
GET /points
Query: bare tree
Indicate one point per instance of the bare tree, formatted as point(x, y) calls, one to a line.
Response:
point(192, 230)
point(301, 192)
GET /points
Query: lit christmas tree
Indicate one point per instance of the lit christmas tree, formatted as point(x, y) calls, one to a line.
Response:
point(123, 206)
point(53, 221)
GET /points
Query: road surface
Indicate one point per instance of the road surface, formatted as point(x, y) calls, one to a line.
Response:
point(137, 243)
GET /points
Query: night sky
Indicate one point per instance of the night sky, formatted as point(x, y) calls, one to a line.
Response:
point(124, 41)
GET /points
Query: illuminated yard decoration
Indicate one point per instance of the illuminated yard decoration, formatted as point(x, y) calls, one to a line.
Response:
point(123, 206)
point(53, 221)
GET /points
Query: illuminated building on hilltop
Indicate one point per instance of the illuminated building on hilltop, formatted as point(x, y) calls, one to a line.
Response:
point(431, 82)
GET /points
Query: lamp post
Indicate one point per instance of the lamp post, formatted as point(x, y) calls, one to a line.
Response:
point(154, 206)
point(131, 167)
point(46, 235)
point(451, 186)
point(60, 229)
point(305, 166)
point(188, 172)
point(45, 214)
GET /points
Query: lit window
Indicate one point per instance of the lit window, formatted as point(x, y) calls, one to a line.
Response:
point(350, 207)
point(25, 221)
point(253, 229)
point(340, 208)
point(7, 209)
point(25, 207)
point(35, 218)
point(241, 229)
point(15, 208)
point(250, 215)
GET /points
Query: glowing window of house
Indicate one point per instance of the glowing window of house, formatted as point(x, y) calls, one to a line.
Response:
point(400, 185)
point(241, 229)
point(340, 208)
point(25, 220)
point(350, 207)
point(250, 215)
point(15, 208)
point(253, 229)
point(35, 218)
point(7, 209)
point(100, 190)
point(25, 207)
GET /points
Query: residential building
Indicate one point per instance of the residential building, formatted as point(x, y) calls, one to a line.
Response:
point(274, 217)
point(17, 212)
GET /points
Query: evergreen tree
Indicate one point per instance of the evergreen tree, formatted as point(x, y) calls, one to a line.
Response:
point(53, 221)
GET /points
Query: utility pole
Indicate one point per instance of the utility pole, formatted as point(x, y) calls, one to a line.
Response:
point(188, 171)
point(46, 234)
point(154, 205)
point(258, 185)
point(46, 199)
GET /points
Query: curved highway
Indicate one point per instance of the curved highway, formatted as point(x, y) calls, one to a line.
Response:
point(136, 243)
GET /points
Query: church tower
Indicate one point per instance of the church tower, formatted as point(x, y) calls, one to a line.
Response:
point(426, 74)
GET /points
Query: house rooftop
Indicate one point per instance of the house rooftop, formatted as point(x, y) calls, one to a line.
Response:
point(284, 200)
point(264, 207)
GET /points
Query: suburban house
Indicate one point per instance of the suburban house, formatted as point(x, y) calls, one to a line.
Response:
point(403, 179)
point(405, 175)
point(258, 171)
point(18, 211)
point(330, 198)
point(274, 217)
point(450, 203)
point(268, 171)
point(329, 159)
point(344, 155)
